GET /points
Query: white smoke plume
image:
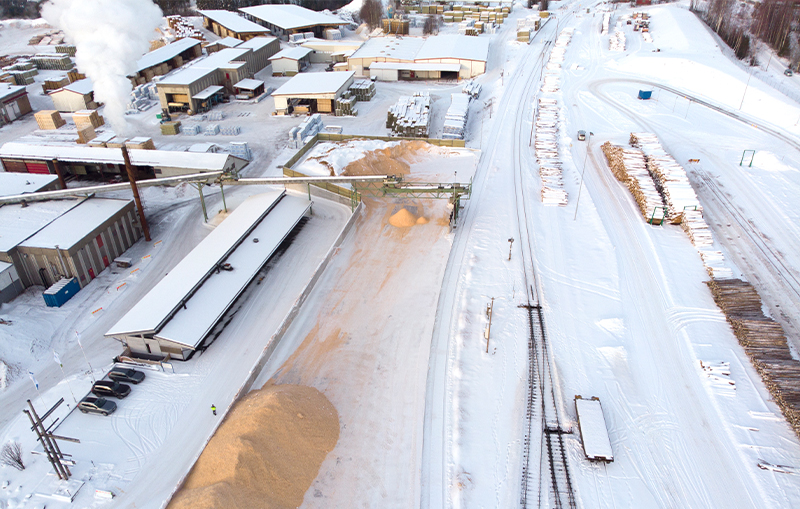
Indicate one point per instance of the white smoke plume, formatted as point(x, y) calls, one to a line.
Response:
point(109, 36)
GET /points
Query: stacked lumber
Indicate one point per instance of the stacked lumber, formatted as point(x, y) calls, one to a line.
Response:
point(55, 83)
point(83, 118)
point(211, 130)
point(183, 27)
point(630, 167)
point(192, 129)
point(86, 134)
point(230, 130)
point(141, 143)
point(472, 89)
point(617, 41)
point(241, 150)
point(67, 49)
point(117, 142)
point(50, 61)
point(410, 116)
point(363, 90)
point(546, 150)
point(49, 119)
point(606, 22)
point(455, 120)
point(170, 128)
point(670, 177)
point(345, 105)
point(764, 342)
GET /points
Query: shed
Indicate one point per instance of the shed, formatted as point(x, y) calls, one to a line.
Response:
point(311, 88)
point(14, 103)
point(166, 58)
point(12, 184)
point(290, 61)
point(231, 24)
point(286, 19)
point(75, 97)
point(249, 87)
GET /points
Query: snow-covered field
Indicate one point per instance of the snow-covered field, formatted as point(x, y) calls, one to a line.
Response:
point(393, 333)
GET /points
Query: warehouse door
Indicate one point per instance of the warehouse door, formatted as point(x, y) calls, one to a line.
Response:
point(40, 168)
point(12, 110)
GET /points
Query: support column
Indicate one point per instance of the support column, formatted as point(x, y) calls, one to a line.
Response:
point(136, 198)
point(60, 173)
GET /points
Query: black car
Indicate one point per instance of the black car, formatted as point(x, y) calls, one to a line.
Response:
point(111, 388)
point(102, 406)
point(130, 376)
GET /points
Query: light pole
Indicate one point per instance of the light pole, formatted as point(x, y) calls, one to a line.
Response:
point(580, 187)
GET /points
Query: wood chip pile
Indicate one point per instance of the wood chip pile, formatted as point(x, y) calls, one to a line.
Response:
point(546, 147)
point(410, 116)
point(630, 168)
point(671, 179)
point(455, 121)
point(764, 342)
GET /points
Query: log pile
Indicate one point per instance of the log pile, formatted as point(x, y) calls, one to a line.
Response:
point(764, 342)
point(629, 166)
point(670, 177)
point(546, 148)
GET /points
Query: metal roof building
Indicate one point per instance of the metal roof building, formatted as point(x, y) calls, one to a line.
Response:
point(290, 19)
point(230, 24)
point(312, 87)
point(162, 60)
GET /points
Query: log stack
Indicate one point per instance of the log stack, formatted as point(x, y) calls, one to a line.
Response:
point(629, 166)
point(764, 342)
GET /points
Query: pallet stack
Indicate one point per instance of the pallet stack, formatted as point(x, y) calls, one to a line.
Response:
point(363, 90)
point(455, 120)
point(410, 116)
point(764, 341)
point(49, 119)
point(141, 143)
point(629, 166)
point(83, 118)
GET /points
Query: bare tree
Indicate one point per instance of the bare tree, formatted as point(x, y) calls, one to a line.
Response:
point(544, 5)
point(431, 25)
point(11, 455)
point(371, 13)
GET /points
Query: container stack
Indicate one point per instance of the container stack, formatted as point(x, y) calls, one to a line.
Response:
point(363, 90)
point(83, 118)
point(241, 150)
point(629, 166)
point(141, 143)
point(472, 89)
point(52, 61)
point(345, 105)
point(49, 119)
point(171, 128)
point(455, 121)
point(410, 116)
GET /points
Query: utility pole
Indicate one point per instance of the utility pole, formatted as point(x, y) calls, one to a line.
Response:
point(48, 440)
point(136, 198)
point(488, 331)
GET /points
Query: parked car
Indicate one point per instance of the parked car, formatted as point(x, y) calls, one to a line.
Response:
point(127, 375)
point(788, 72)
point(111, 388)
point(95, 405)
point(581, 135)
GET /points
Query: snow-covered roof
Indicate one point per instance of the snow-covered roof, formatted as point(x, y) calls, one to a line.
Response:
point(202, 147)
point(165, 53)
point(187, 76)
point(315, 83)
point(7, 91)
point(295, 53)
point(207, 305)
point(82, 87)
point(398, 48)
point(207, 92)
point(17, 223)
point(229, 42)
point(290, 17)
point(462, 47)
point(412, 66)
point(222, 58)
point(249, 84)
point(73, 226)
point(594, 433)
point(12, 184)
point(232, 21)
point(153, 311)
point(256, 43)
point(99, 155)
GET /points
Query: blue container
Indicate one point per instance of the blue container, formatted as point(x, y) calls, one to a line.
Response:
point(645, 94)
point(61, 292)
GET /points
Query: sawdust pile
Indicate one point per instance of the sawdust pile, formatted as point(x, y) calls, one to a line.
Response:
point(403, 219)
point(394, 160)
point(266, 454)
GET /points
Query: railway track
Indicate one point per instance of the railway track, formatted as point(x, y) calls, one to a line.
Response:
point(548, 484)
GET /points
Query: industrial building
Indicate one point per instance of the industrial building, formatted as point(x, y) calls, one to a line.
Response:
point(230, 24)
point(206, 82)
point(175, 317)
point(107, 163)
point(41, 242)
point(75, 97)
point(227, 42)
point(324, 51)
point(166, 58)
point(433, 57)
point(290, 61)
point(14, 103)
point(13, 184)
point(318, 91)
point(283, 20)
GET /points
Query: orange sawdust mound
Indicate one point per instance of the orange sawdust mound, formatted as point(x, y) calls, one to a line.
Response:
point(403, 219)
point(422, 220)
point(394, 160)
point(266, 454)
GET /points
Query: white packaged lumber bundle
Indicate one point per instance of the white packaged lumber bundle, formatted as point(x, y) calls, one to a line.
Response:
point(230, 130)
point(606, 23)
point(455, 120)
point(594, 432)
point(191, 129)
point(211, 130)
point(216, 115)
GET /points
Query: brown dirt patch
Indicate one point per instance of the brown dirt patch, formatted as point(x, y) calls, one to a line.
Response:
point(266, 454)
